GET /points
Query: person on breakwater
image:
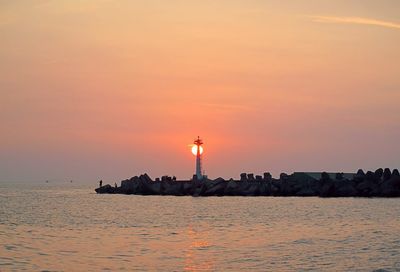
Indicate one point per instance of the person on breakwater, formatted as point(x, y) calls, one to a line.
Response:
point(101, 183)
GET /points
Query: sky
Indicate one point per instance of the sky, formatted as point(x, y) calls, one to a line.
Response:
point(109, 89)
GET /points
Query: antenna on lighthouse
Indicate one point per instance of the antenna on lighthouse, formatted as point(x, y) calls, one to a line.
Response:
point(198, 142)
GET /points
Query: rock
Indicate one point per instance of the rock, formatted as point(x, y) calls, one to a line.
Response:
point(360, 172)
point(359, 176)
point(283, 176)
point(253, 190)
point(243, 176)
point(345, 188)
point(215, 187)
point(267, 176)
point(339, 176)
point(325, 176)
point(151, 188)
point(275, 188)
point(173, 188)
point(187, 188)
point(231, 188)
point(307, 192)
point(327, 189)
point(286, 188)
point(395, 173)
point(386, 174)
point(391, 187)
point(250, 176)
point(367, 188)
point(248, 188)
point(265, 188)
point(130, 186)
point(106, 189)
point(145, 178)
point(369, 176)
point(302, 184)
point(378, 174)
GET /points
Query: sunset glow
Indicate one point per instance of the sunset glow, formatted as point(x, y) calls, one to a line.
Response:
point(103, 85)
point(106, 107)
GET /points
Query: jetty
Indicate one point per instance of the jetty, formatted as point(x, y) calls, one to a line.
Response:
point(379, 183)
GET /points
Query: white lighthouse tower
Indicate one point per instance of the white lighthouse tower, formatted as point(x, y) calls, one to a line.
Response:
point(198, 143)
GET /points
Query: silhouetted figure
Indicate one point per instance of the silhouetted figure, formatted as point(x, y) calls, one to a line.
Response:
point(116, 185)
point(101, 183)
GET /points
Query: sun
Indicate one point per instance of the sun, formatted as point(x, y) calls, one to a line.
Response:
point(194, 150)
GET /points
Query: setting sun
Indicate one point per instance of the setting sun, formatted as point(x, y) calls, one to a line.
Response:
point(194, 149)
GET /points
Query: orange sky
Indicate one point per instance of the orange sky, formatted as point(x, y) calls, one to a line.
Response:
point(111, 89)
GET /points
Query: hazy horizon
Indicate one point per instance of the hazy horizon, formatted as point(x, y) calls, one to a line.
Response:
point(112, 89)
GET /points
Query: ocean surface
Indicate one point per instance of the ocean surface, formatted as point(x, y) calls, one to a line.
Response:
point(68, 227)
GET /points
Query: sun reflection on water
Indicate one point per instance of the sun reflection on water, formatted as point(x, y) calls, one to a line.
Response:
point(197, 257)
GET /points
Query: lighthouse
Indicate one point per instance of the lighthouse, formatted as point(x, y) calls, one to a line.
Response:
point(198, 142)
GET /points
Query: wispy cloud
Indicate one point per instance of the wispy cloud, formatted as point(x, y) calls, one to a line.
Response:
point(355, 20)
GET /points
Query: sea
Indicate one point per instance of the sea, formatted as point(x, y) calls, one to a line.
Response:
point(68, 227)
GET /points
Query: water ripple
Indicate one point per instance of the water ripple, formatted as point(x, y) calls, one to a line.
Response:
point(63, 229)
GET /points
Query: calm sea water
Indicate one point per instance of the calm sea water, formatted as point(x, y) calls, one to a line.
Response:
point(70, 228)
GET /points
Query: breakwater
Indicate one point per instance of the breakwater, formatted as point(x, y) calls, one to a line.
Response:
point(380, 183)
